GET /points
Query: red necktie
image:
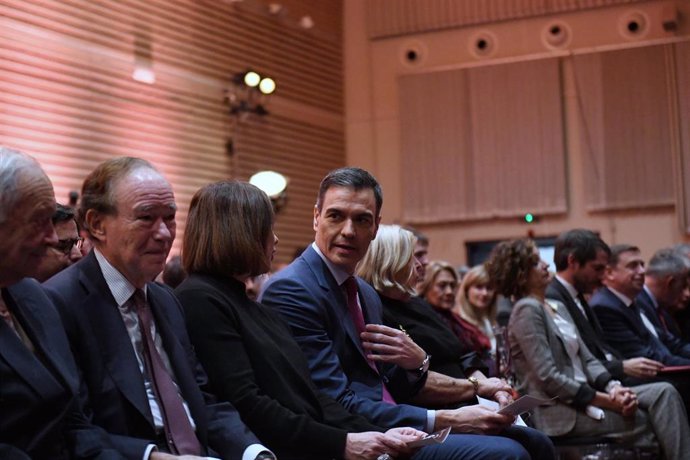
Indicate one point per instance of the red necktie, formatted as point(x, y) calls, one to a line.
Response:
point(179, 434)
point(358, 318)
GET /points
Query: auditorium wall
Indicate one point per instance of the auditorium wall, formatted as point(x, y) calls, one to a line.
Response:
point(473, 114)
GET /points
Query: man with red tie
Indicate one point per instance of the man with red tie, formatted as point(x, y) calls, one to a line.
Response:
point(336, 319)
point(128, 333)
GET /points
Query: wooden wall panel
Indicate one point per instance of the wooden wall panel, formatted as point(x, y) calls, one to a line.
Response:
point(682, 65)
point(67, 96)
point(388, 18)
point(492, 143)
point(627, 136)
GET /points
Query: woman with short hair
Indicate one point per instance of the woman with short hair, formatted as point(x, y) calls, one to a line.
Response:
point(439, 289)
point(250, 356)
point(391, 268)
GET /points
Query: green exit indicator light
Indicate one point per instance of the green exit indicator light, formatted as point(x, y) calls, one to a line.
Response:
point(529, 218)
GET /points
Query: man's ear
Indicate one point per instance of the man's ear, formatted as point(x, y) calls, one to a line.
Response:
point(572, 263)
point(315, 224)
point(95, 224)
point(608, 271)
point(668, 282)
point(376, 227)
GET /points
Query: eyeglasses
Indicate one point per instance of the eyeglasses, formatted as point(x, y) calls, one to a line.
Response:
point(65, 246)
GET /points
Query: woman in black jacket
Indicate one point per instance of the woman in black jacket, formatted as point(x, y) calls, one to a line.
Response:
point(246, 349)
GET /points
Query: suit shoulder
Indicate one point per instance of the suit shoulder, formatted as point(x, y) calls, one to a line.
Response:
point(527, 304)
point(602, 299)
point(553, 291)
point(31, 290)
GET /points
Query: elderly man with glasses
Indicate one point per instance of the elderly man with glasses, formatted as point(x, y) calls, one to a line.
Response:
point(67, 250)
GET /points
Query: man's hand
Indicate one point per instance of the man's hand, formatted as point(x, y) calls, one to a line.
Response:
point(643, 368)
point(369, 445)
point(405, 434)
point(503, 398)
point(473, 419)
point(624, 398)
point(383, 343)
point(488, 388)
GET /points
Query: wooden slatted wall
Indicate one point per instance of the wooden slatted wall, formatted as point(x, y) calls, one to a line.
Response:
point(67, 95)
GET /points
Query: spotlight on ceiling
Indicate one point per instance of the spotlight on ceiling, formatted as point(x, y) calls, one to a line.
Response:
point(267, 85)
point(248, 93)
point(251, 79)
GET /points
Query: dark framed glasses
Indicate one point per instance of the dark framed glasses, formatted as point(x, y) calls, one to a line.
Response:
point(65, 246)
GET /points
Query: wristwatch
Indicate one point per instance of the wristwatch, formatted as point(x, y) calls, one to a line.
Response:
point(475, 384)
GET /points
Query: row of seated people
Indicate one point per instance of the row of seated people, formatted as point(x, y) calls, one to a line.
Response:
point(312, 372)
point(98, 363)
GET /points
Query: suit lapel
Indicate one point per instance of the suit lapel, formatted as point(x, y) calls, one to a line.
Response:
point(337, 297)
point(19, 357)
point(629, 312)
point(117, 351)
point(44, 342)
point(554, 328)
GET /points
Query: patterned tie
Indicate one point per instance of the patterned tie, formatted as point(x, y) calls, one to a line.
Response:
point(358, 318)
point(179, 434)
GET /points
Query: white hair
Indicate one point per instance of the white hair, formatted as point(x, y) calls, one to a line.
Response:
point(13, 164)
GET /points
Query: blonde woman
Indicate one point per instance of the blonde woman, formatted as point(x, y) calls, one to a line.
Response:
point(475, 309)
point(391, 268)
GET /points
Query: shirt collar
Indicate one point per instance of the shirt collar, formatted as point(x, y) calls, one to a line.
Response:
point(651, 296)
point(338, 273)
point(624, 298)
point(568, 287)
point(119, 286)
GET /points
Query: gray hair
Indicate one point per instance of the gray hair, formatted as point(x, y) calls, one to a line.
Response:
point(668, 262)
point(683, 249)
point(13, 164)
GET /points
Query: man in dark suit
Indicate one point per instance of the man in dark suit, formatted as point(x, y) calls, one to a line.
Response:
point(581, 258)
point(128, 333)
point(623, 322)
point(39, 412)
point(336, 319)
point(666, 285)
point(625, 325)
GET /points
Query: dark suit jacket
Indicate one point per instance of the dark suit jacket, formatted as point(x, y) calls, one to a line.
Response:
point(675, 345)
point(449, 356)
point(589, 328)
point(254, 362)
point(39, 411)
point(625, 332)
point(315, 307)
point(114, 383)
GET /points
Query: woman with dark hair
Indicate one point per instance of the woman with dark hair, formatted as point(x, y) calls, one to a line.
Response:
point(247, 349)
point(550, 361)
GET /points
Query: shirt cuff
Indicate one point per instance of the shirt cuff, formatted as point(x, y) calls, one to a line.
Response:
point(430, 421)
point(251, 452)
point(148, 451)
point(611, 384)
